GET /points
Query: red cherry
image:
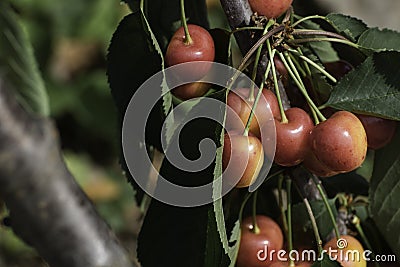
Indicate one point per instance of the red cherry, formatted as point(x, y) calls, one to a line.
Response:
point(379, 131)
point(253, 246)
point(292, 137)
point(200, 49)
point(191, 90)
point(238, 101)
point(315, 166)
point(270, 8)
point(340, 142)
point(242, 156)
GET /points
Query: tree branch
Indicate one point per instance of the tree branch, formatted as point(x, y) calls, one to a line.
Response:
point(48, 210)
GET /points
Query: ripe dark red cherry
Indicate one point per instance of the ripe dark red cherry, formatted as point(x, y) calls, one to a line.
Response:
point(270, 8)
point(200, 49)
point(242, 156)
point(292, 137)
point(340, 142)
point(379, 131)
point(238, 101)
point(254, 245)
point(191, 90)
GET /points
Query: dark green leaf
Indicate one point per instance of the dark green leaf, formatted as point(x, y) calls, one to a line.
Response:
point(380, 40)
point(18, 65)
point(321, 215)
point(349, 26)
point(193, 231)
point(385, 192)
point(372, 88)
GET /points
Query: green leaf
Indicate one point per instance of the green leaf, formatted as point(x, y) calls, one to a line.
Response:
point(384, 193)
point(349, 26)
point(18, 65)
point(321, 215)
point(380, 40)
point(193, 231)
point(372, 88)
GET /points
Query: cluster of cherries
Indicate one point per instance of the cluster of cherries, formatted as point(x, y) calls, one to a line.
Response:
point(261, 241)
point(336, 145)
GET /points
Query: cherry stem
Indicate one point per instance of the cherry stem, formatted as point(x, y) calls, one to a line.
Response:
point(255, 103)
point(141, 5)
point(308, 18)
point(300, 85)
point(245, 29)
point(315, 65)
point(314, 225)
point(278, 93)
point(258, 43)
point(324, 39)
point(188, 39)
point(282, 208)
point(256, 229)
point(318, 33)
point(289, 218)
point(256, 61)
point(317, 182)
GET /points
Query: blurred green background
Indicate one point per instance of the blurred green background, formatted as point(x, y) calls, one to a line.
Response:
point(70, 40)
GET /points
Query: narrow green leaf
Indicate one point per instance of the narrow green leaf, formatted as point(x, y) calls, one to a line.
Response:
point(349, 26)
point(18, 65)
point(372, 88)
point(385, 191)
point(380, 40)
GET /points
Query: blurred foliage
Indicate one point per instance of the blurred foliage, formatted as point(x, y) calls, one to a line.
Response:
point(69, 40)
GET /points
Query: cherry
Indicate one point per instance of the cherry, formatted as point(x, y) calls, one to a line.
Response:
point(245, 157)
point(338, 68)
point(346, 256)
point(379, 131)
point(270, 8)
point(268, 238)
point(317, 167)
point(292, 137)
point(191, 90)
point(340, 142)
point(201, 48)
point(241, 105)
